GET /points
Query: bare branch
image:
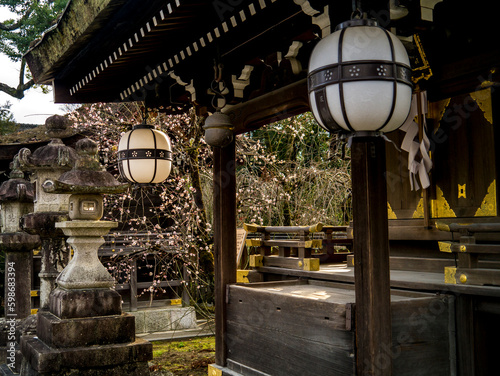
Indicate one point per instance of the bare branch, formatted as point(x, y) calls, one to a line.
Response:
point(18, 92)
point(19, 23)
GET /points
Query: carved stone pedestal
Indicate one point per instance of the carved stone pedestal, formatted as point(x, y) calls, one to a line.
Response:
point(85, 332)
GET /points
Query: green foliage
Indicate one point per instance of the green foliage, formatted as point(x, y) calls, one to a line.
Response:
point(33, 18)
point(292, 172)
point(7, 123)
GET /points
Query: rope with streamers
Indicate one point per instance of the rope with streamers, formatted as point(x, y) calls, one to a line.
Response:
point(419, 161)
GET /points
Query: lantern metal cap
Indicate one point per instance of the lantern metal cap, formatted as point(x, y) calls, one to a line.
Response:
point(357, 22)
point(142, 126)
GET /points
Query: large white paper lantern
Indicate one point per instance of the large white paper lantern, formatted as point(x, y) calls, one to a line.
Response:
point(360, 79)
point(144, 155)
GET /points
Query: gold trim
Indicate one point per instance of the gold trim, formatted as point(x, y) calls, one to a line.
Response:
point(390, 212)
point(436, 111)
point(311, 264)
point(212, 371)
point(483, 100)
point(463, 278)
point(242, 276)
point(423, 71)
point(444, 247)
point(450, 275)
point(488, 207)
point(440, 207)
point(419, 211)
point(256, 261)
point(253, 242)
point(461, 191)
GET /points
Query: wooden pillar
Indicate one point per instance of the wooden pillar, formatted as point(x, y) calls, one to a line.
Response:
point(371, 257)
point(224, 190)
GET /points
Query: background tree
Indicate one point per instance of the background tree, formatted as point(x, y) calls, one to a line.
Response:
point(288, 173)
point(7, 122)
point(171, 217)
point(293, 172)
point(31, 19)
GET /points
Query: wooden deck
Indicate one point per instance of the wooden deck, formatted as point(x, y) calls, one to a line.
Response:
point(400, 279)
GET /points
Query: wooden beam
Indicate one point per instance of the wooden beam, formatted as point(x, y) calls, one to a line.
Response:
point(224, 191)
point(371, 257)
point(277, 105)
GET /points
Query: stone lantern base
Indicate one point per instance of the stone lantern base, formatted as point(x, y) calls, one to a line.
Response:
point(86, 334)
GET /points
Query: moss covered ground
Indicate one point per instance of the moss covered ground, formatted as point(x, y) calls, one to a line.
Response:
point(183, 358)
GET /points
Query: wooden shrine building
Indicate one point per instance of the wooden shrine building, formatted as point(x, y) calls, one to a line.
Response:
point(444, 240)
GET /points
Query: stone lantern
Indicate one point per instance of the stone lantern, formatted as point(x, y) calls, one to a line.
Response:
point(85, 331)
point(47, 163)
point(16, 199)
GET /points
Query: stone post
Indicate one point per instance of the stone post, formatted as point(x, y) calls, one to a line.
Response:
point(85, 332)
point(16, 199)
point(47, 163)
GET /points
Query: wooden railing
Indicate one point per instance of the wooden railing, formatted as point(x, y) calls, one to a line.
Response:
point(127, 244)
point(298, 247)
point(468, 252)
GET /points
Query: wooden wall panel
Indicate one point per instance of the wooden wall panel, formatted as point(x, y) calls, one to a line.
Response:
point(463, 177)
point(464, 154)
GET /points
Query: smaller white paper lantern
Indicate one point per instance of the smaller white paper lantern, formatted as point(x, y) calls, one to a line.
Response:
point(360, 79)
point(144, 155)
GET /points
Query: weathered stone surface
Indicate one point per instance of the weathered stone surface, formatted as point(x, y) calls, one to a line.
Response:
point(85, 270)
point(12, 212)
point(88, 176)
point(46, 360)
point(18, 269)
point(57, 126)
point(164, 319)
point(86, 228)
point(67, 304)
point(43, 223)
point(67, 333)
point(18, 242)
point(183, 318)
point(140, 321)
point(54, 155)
point(19, 190)
point(133, 369)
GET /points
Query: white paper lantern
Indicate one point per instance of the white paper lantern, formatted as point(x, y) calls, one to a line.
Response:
point(360, 79)
point(144, 155)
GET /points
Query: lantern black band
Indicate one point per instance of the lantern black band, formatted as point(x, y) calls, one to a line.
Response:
point(359, 71)
point(144, 154)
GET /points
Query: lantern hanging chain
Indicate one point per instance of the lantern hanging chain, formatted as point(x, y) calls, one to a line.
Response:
point(218, 87)
point(147, 113)
point(357, 10)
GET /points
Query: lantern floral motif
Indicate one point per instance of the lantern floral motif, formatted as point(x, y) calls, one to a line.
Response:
point(360, 79)
point(144, 155)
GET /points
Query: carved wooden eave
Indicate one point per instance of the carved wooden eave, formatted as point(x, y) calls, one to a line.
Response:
point(164, 52)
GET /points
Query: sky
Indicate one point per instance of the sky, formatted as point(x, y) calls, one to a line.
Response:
point(35, 107)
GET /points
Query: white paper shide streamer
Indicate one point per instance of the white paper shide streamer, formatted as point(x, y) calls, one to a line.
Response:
point(419, 161)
